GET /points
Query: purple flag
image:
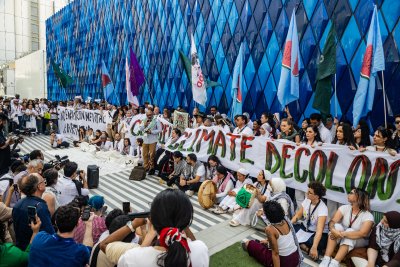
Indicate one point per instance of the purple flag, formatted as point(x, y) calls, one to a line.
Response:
point(136, 74)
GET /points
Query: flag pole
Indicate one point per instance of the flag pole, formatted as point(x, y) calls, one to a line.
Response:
point(335, 98)
point(384, 98)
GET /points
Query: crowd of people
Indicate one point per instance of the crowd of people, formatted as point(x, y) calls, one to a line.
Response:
point(46, 207)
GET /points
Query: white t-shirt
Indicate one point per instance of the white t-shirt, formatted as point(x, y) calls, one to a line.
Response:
point(148, 256)
point(362, 217)
point(201, 171)
point(245, 131)
point(321, 210)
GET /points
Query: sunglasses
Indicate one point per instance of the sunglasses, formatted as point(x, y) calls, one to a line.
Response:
point(397, 122)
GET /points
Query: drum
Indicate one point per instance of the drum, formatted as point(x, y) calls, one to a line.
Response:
point(207, 194)
point(246, 195)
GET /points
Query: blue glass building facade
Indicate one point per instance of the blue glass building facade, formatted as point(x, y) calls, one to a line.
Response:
point(88, 31)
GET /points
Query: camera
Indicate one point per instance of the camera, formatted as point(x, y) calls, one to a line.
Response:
point(59, 162)
point(143, 214)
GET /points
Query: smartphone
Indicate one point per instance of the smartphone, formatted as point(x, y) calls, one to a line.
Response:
point(126, 207)
point(86, 214)
point(144, 214)
point(32, 214)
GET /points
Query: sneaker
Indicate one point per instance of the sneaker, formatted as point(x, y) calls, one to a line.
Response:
point(219, 210)
point(333, 263)
point(234, 223)
point(213, 208)
point(189, 193)
point(325, 262)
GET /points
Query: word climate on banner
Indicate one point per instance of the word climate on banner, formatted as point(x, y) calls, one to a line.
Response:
point(337, 167)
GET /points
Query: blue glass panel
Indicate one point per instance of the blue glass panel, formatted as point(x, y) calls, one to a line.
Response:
point(260, 11)
point(272, 50)
point(307, 45)
point(221, 21)
point(351, 38)
point(341, 16)
point(396, 35)
point(382, 26)
point(264, 71)
point(301, 20)
point(309, 7)
point(319, 20)
point(246, 15)
point(249, 72)
point(363, 14)
point(281, 28)
point(257, 52)
point(233, 19)
point(391, 11)
point(276, 70)
point(274, 11)
point(255, 91)
point(266, 30)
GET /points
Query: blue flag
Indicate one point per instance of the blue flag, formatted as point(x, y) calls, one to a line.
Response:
point(108, 87)
point(373, 62)
point(288, 88)
point(237, 85)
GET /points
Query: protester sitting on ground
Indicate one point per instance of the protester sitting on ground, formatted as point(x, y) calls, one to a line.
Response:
point(179, 168)
point(384, 242)
point(58, 140)
point(281, 247)
point(138, 153)
point(117, 248)
point(314, 215)
point(193, 175)
point(59, 249)
point(127, 148)
point(224, 181)
point(11, 255)
point(95, 225)
point(51, 127)
point(33, 186)
point(350, 227)
point(229, 202)
point(382, 142)
point(243, 216)
point(96, 140)
point(71, 184)
point(169, 224)
point(162, 155)
point(50, 195)
point(344, 136)
point(288, 132)
point(211, 167)
point(118, 143)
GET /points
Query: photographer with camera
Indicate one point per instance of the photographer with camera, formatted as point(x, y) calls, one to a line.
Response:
point(71, 184)
point(5, 150)
point(58, 140)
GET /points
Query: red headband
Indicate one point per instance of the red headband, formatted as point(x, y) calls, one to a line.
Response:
point(170, 235)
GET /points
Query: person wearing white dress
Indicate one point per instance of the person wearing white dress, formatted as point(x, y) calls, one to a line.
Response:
point(229, 202)
point(243, 216)
point(32, 113)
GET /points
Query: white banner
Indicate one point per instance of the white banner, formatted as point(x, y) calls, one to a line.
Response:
point(337, 167)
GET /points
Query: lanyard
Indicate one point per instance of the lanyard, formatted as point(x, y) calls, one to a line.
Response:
point(311, 214)
point(241, 130)
point(355, 218)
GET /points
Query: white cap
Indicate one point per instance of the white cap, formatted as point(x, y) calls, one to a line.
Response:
point(243, 171)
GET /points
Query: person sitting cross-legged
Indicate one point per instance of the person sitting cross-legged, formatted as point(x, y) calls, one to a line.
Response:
point(349, 228)
point(193, 175)
point(60, 249)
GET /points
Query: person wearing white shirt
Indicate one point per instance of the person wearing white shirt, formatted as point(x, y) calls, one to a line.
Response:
point(315, 220)
point(31, 122)
point(224, 181)
point(324, 133)
point(118, 143)
point(176, 243)
point(125, 127)
point(16, 114)
point(67, 188)
point(58, 140)
point(193, 176)
point(349, 228)
point(242, 128)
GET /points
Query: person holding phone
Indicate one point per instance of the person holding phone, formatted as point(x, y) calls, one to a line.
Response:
point(11, 255)
point(169, 225)
point(33, 187)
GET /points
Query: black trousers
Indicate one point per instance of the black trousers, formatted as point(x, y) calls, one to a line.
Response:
point(193, 187)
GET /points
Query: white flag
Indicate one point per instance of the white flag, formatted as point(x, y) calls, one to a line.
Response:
point(198, 81)
point(131, 98)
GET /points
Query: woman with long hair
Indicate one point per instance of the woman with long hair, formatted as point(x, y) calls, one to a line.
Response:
point(361, 135)
point(302, 131)
point(211, 166)
point(51, 193)
point(344, 136)
point(382, 142)
point(349, 227)
point(171, 215)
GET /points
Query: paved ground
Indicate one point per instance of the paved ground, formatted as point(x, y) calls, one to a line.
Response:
point(213, 229)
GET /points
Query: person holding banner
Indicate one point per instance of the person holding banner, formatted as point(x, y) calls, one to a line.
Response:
point(396, 133)
point(349, 228)
point(150, 127)
point(382, 142)
point(344, 136)
point(241, 126)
